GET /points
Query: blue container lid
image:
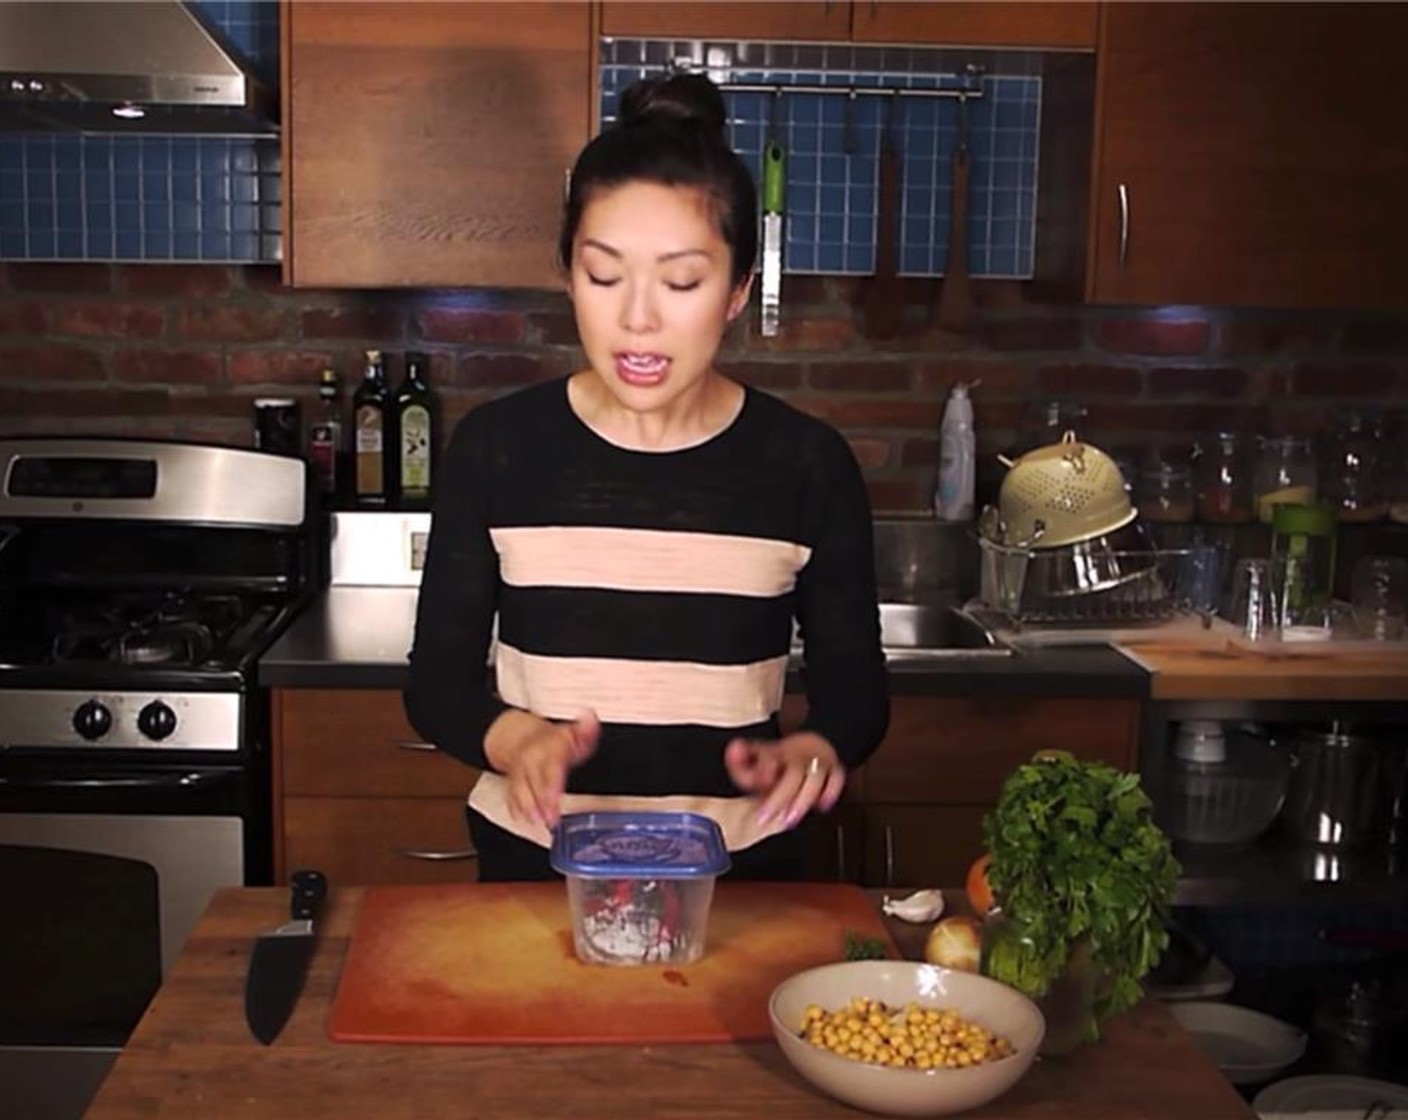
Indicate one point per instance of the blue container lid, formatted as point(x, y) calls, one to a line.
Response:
point(616, 845)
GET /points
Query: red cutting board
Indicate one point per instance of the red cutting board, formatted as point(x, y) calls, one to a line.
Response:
point(493, 963)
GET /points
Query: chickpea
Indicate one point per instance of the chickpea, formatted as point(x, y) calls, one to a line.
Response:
point(908, 1037)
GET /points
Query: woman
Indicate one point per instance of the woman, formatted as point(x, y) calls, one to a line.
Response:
point(644, 533)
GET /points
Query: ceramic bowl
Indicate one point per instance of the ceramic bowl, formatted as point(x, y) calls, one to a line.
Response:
point(906, 1092)
point(1247, 1046)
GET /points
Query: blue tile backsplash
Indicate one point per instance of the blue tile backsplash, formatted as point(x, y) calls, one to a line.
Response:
point(832, 144)
point(150, 198)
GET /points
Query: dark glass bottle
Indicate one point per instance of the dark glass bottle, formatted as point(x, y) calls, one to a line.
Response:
point(372, 417)
point(327, 443)
point(416, 427)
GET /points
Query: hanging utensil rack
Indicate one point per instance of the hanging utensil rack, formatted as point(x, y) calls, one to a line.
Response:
point(971, 77)
point(964, 93)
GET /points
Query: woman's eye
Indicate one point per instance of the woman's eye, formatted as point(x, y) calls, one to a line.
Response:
point(603, 281)
point(686, 287)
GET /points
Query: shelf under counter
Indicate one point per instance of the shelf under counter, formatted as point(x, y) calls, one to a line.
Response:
point(1277, 869)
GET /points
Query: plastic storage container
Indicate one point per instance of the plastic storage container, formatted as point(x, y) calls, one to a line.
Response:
point(639, 885)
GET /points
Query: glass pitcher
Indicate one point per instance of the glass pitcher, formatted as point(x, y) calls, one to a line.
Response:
point(1303, 542)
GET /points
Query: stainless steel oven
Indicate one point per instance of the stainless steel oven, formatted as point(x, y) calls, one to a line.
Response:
point(139, 582)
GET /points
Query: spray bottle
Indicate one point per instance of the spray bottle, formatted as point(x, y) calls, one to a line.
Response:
point(953, 497)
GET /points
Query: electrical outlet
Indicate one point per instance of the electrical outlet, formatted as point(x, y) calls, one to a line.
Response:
point(419, 540)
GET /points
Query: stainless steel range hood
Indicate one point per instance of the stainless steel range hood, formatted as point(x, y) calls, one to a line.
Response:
point(155, 66)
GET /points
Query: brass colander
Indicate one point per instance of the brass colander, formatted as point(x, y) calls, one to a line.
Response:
point(1073, 489)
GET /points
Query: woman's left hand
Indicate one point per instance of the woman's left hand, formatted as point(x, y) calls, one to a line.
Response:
point(793, 775)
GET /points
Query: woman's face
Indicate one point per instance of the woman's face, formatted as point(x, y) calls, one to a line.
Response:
point(651, 290)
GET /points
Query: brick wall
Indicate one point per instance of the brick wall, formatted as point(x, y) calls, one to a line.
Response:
point(182, 350)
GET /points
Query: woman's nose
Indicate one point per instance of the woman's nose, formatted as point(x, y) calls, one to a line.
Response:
point(639, 312)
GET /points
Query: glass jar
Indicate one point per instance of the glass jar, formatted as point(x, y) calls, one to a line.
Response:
point(1222, 479)
point(1047, 421)
point(1068, 1004)
point(1285, 472)
point(1352, 481)
point(1165, 492)
point(1396, 474)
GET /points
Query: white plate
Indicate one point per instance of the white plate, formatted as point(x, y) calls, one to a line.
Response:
point(1215, 980)
point(1246, 1045)
point(1328, 1093)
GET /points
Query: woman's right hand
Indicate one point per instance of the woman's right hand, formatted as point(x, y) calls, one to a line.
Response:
point(534, 755)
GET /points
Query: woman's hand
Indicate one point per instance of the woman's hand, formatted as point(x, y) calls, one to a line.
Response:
point(534, 755)
point(794, 775)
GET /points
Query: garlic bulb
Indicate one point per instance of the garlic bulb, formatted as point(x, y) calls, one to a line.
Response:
point(921, 906)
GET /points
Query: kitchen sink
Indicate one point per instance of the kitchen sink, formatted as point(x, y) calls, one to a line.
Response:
point(926, 631)
point(915, 631)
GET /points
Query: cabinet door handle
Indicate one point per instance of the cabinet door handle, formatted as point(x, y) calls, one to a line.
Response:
point(1124, 223)
point(410, 745)
point(445, 857)
point(889, 856)
point(840, 853)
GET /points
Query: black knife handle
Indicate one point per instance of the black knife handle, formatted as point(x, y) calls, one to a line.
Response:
point(309, 890)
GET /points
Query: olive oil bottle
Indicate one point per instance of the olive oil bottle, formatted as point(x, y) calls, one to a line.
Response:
point(416, 426)
point(372, 416)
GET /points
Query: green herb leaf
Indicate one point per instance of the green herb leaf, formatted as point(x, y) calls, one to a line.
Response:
point(858, 947)
point(1077, 857)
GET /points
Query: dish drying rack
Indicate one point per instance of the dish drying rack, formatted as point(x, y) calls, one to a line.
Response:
point(1144, 585)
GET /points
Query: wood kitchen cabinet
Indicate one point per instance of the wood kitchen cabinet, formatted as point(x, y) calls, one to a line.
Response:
point(827, 20)
point(360, 797)
point(943, 763)
point(1250, 154)
point(1059, 26)
point(1056, 25)
point(427, 144)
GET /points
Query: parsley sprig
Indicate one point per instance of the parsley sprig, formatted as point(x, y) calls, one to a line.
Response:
point(1077, 857)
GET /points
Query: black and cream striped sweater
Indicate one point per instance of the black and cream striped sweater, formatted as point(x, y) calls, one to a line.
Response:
point(657, 588)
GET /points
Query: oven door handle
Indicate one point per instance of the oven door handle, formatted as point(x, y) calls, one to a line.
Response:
point(193, 781)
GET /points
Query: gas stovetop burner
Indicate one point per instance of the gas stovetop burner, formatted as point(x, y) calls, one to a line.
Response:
point(169, 628)
point(186, 643)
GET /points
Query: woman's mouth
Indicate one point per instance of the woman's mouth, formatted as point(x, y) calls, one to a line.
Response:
point(641, 369)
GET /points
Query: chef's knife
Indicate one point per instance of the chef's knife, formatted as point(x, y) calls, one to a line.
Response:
point(280, 959)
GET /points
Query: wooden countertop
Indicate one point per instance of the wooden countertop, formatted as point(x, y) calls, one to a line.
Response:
point(1222, 669)
point(192, 1056)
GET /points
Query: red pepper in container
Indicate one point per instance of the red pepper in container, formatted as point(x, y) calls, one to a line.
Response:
point(639, 885)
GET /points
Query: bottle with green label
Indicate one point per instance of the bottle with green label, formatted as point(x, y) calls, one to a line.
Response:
point(416, 423)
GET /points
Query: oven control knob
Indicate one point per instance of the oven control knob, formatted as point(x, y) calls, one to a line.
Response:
point(156, 720)
point(92, 720)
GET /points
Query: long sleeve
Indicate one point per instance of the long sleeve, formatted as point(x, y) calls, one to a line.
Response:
point(844, 665)
point(447, 698)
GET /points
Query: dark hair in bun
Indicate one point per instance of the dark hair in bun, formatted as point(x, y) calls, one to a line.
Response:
point(671, 131)
point(683, 99)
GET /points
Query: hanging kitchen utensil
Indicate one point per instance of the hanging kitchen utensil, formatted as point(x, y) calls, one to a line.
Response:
point(955, 295)
point(774, 199)
point(884, 302)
